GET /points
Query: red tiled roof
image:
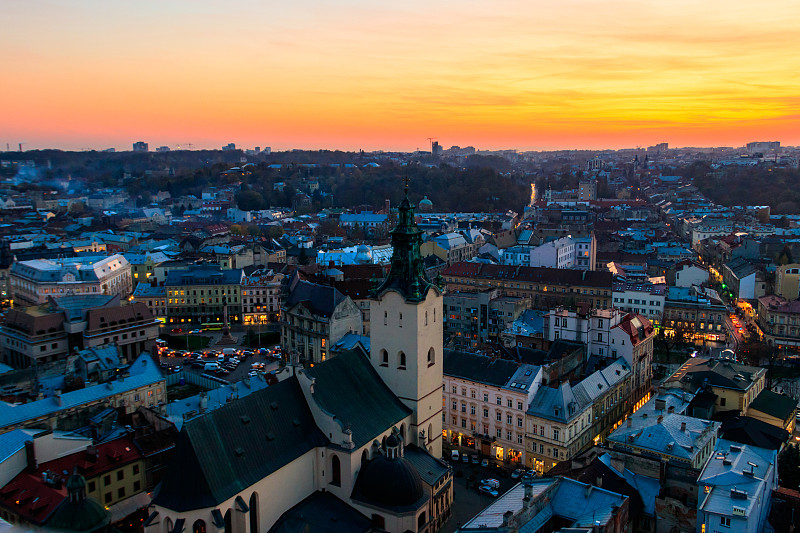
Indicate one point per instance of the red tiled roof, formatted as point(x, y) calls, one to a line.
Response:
point(34, 500)
point(637, 327)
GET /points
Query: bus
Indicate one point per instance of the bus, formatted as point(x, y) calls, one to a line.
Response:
point(211, 326)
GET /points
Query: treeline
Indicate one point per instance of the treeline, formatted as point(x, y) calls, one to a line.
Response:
point(777, 187)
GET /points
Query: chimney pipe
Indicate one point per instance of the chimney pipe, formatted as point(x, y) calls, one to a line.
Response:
point(30, 456)
point(683, 426)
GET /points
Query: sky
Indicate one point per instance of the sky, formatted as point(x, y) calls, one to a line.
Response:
point(372, 75)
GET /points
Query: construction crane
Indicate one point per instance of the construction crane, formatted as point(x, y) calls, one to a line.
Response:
point(430, 141)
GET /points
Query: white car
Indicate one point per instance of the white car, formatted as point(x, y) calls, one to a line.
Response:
point(252, 373)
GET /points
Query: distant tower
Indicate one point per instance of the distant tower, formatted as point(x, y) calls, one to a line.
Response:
point(406, 333)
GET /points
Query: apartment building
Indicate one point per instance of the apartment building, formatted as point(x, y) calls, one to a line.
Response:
point(779, 321)
point(484, 404)
point(735, 488)
point(476, 318)
point(204, 293)
point(32, 282)
point(564, 421)
point(698, 314)
point(261, 297)
point(643, 299)
point(41, 334)
point(787, 281)
point(313, 318)
point(546, 287)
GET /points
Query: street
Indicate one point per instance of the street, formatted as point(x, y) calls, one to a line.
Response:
point(467, 502)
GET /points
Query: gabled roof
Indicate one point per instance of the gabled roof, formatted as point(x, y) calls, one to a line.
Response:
point(349, 388)
point(773, 404)
point(754, 432)
point(478, 368)
point(231, 448)
point(319, 299)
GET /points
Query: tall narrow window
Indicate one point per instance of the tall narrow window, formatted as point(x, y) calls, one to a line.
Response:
point(401, 360)
point(431, 357)
point(336, 471)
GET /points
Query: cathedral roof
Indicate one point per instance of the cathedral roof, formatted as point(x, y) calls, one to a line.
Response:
point(229, 449)
point(349, 388)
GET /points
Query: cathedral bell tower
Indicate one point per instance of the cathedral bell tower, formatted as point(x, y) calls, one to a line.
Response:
point(406, 333)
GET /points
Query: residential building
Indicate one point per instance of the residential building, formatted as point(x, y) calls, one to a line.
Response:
point(585, 252)
point(558, 253)
point(141, 385)
point(484, 403)
point(154, 297)
point(546, 287)
point(727, 386)
point(644, 299)
point(779, 321)
point(450, 248)
point(204, 293)
point(688, 273)
point(735, 489)
point(677, 439)
point(475, 318)
point(565, 420)
point(543, 505)
point(609, 334)
point(261, 297)
point(36, 335)
point(787, 281)
point(31, 282)
point(743, 279)
point(313, 318)
point(370, 223)
point(778, 410)
point(697, 315)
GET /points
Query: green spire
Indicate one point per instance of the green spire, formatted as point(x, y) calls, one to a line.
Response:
point(407, 273)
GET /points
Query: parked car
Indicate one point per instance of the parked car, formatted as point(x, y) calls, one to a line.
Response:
point(475, 459)
point(516, 474)
point(222, 372)
point(485, 463)
point(491, 482)
point(454, 455)
point(253, 373)
point(465, 458)
point(177, 368)
point(488, 491)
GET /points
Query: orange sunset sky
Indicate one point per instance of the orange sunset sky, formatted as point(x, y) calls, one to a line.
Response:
point(352, 74)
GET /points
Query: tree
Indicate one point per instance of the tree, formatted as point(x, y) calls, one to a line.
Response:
point(275, 232)
point(678, 336)
point(250, 201)
point(789, 467)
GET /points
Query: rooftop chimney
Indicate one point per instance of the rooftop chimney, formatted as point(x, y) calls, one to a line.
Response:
point(30, 456)
point(660, 419)
point(683, 426)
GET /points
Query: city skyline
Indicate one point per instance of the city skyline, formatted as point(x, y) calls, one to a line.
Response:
point(363, 76)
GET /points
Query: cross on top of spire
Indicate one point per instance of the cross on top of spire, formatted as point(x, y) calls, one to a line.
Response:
point(406, 181)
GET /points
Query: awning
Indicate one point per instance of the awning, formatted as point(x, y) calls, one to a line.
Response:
point(129, 506)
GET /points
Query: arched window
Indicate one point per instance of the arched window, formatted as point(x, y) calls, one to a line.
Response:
point(421, 521)
point(401, 320)
point(426, 318)
point(168, 525)
point(199, 526)
point(336, 471)
point(384, 358)
point(431, 356)
point(430, 432)
point(254, 513)
point(401, 360)
point(364, 457)
point(385, 318)
point(434, 314)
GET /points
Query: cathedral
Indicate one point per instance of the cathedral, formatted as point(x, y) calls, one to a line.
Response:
point(353, 443)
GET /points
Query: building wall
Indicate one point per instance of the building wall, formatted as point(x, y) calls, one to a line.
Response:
point(461, 397)
point(787, 281)
point(415, 329)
